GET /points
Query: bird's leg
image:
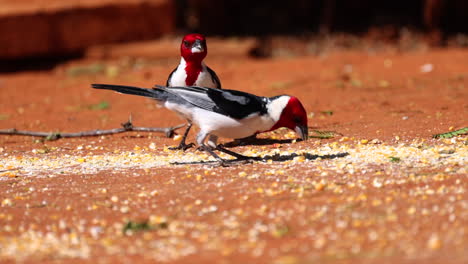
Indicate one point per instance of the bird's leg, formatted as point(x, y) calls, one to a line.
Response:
point(212, 153)
point(182, 145)
point(212, 145)
point(237, 155)
point(202, 135)
point(212, 142)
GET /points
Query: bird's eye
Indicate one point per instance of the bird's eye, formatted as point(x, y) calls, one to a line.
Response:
point(186, 43)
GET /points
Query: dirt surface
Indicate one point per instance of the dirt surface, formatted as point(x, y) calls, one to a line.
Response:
point(54, 29)
point(381, 190)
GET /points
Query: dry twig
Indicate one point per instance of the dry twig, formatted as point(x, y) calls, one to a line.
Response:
point(126, 127)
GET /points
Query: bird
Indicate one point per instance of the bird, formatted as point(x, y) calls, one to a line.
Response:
point(225, 113)
point(192, 71)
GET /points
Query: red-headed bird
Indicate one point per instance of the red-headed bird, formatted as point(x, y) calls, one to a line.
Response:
point(225, 113)
point(192, 71)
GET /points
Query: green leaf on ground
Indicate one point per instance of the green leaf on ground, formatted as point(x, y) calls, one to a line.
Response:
point(96, 68)
point(53, 136)
point(328, 112)
point(99, 106)
point(137, 226)
point(143, 226)
point(452, 134)
point(323, 134)
point(4, 117)
point(280, 231)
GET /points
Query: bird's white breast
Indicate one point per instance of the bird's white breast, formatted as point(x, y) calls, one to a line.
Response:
point(179, 77)
point(227, 127)
point(205, 79)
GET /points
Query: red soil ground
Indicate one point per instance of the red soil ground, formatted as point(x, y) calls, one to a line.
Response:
point(396, 195)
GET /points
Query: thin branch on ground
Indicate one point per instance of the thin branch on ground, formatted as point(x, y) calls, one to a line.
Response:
point(126, 127)
point(7, 170)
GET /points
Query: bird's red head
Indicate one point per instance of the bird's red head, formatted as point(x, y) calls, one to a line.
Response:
point(193, 48)
point(294, 116)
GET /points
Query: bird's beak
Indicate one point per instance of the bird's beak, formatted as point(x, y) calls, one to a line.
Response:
point(197, 47)
point(302, 131)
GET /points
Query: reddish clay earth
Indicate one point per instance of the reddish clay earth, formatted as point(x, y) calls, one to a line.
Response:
point(381, 191)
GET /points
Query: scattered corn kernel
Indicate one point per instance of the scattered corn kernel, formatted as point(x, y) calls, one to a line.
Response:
point(434, 242)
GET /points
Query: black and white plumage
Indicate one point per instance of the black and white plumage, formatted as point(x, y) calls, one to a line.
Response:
point(192, 71)
point(205, 78)
point(231, 103)
point(225, 113)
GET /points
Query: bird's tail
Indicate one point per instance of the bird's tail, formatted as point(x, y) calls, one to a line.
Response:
point(152, 93)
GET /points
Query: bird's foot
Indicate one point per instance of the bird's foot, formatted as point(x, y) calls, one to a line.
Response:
point(239, 157)
point(182, 146)
point(199, 148)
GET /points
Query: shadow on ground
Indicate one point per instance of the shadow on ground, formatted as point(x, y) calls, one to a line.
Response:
point(275, 157)
point(256, 142)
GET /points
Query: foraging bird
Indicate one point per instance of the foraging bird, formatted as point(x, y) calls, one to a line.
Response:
point(225, 113)
point(192, 71)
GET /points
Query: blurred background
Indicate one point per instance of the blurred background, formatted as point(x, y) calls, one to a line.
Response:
point(35, 32)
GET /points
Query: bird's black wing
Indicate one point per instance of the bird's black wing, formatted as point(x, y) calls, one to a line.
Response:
point(214, 77)
point(168, 82)
point(189, 95)
point(237, 104)
point(232, 103)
